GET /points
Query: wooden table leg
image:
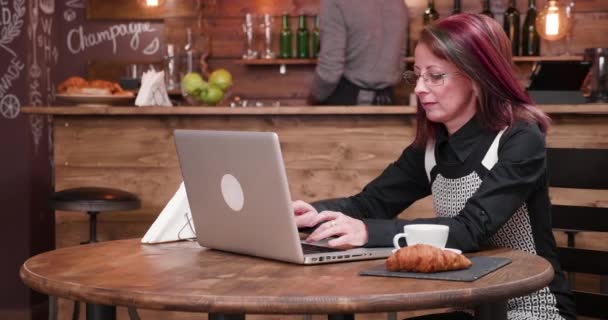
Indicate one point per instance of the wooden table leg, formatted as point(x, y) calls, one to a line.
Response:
point(346, 316)
point(492, 311)
point(221, 316)
point(100, 312)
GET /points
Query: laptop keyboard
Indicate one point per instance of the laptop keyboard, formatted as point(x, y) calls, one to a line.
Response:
point(309, 248)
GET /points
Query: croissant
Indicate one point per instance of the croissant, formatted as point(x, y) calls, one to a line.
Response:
point(426, 258)
point(78, 85)
point(71, 82)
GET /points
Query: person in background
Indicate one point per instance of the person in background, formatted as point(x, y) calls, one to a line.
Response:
point(479, 151)
point(363, 45)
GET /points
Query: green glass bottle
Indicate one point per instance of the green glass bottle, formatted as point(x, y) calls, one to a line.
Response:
point(486, 9)
point(457, 7)
point(530, 40)
point(302, 39)
point(316, 38)
point(285, 38)
point(511, 26)
point(430, 14)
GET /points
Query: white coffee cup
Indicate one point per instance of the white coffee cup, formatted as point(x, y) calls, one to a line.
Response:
point(432, 234)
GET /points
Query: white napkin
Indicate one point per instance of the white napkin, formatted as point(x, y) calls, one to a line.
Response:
point(153, 91)
point(174, 222)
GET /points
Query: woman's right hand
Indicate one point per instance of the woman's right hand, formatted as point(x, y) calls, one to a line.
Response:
point(305, 214)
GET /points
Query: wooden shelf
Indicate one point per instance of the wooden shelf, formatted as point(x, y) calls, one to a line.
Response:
point(274, 62)
point(547, 58)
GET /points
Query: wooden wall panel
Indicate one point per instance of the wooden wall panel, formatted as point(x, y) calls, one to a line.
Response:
point(238, 8)
point(338, 157)
point(578, 132)
point(590, 30)
point(175, 32)
point(146, 162)
point(325, 156)
point(136, 10)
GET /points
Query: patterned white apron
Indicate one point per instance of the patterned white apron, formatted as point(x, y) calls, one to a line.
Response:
point(449, 198)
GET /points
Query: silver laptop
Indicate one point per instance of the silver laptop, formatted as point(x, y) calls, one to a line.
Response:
point(240, 201)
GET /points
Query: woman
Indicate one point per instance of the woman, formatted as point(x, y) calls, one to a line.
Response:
point(479, 150)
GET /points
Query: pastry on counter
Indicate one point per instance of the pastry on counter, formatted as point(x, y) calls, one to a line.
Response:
point(80, 86)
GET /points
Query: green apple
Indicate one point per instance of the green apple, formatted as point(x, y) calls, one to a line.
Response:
point(211, 95)
point(193, 83)
point(221, 78)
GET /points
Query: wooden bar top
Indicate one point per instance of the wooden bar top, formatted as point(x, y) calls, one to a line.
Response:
point(590, 108)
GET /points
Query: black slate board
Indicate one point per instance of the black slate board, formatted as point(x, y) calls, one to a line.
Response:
point(481, 266)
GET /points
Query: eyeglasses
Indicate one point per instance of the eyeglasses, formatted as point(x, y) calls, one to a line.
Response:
point(430, 78)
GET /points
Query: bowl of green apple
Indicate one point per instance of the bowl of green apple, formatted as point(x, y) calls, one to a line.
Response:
point(198, 91)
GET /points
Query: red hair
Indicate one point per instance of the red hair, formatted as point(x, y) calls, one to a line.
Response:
point(477, 45)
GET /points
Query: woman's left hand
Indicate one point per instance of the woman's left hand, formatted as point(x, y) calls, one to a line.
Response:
point(350, 232)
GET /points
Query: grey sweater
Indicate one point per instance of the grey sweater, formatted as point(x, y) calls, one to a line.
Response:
point(362, 40)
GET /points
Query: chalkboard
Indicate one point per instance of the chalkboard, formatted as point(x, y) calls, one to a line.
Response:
point(83, 40)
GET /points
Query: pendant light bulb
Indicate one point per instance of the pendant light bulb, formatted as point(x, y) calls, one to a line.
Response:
point(151, 3)
point(553, 21)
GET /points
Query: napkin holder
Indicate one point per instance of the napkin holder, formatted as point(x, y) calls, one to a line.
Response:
point(174, 223)
point(153, 91)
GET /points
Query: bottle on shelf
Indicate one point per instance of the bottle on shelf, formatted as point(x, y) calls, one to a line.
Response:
point(486, 9)
point(457, 7)
point(285, 38)
point(530, 40)
point(430, 14)
point(511, 26)
point(316, 38)
point(302, 39)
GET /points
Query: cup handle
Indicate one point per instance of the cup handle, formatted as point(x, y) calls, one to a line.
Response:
point(396, 239)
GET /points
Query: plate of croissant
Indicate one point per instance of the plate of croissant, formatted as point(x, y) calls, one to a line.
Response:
point(84, 92)
point(428, 262)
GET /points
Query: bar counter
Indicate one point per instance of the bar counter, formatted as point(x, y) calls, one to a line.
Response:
point(328, 152)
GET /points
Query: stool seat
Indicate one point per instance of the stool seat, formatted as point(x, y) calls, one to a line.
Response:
point(94, 199)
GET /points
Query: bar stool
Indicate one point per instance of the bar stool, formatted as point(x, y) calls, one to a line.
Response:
point(93, 200)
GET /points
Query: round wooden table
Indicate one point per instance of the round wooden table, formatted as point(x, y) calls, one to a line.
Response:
point(186, 277)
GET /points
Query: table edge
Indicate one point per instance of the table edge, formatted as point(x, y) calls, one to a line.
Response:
point(286, 305)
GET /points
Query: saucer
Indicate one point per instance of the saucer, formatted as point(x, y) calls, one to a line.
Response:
point(447, 249)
